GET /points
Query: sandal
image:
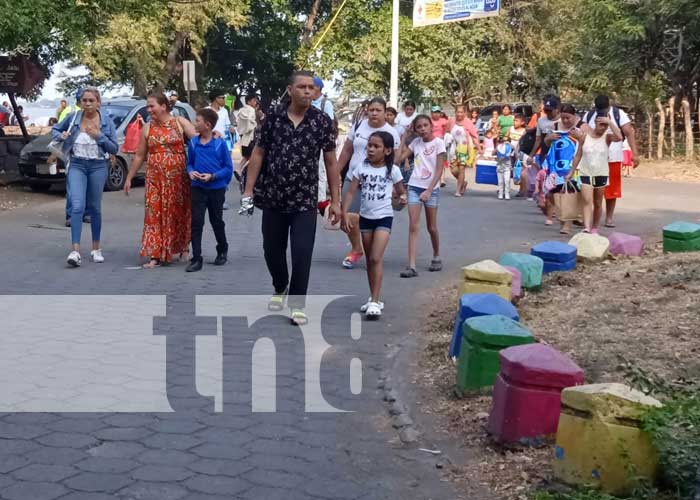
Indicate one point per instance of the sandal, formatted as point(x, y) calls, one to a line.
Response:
point(351, 259)
point(548, 222)
point(299, 317)
point(410, 272)
point(276, 302)
point(152, 264)
point(435, 265)
point(365, 307)
point(373, 310)
point(609, 224)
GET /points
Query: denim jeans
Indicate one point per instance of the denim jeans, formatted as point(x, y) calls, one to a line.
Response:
point(87, 181)
point(69, 204)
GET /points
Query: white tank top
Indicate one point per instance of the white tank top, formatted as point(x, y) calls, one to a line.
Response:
point(594, 160)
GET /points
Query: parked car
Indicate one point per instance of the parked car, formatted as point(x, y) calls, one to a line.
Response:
point(40, 174)
point(482, 123)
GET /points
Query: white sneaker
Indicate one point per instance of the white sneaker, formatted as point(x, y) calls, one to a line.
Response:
point(374, 311)
point(364, 308)
point(74, 259)
point(96, 256)
point(507, 195)
point(500, 196)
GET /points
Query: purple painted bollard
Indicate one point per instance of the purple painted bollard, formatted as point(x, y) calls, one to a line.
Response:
point(517, 289)
point(626, 244)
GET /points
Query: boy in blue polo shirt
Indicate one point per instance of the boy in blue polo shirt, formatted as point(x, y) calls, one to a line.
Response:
point(210, 168)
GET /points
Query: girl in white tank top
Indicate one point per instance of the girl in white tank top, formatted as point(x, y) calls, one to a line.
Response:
point(592, 163)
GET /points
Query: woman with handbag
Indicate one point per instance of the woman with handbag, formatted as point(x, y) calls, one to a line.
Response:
point(168, 208)
point(559, 182)
point(86, 140)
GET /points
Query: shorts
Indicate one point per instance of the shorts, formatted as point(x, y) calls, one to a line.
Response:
point(372, 225)
point(247, 151)
point(355, 205)
point(414, 197)
point(599, 181)
point(614, 187)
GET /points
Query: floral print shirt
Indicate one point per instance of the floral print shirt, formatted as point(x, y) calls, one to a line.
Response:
point(288, 180)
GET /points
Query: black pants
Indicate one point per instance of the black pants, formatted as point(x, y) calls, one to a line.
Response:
point(279, 228)
point(211, 200)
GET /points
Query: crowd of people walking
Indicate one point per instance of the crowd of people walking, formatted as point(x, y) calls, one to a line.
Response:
point(291, 172)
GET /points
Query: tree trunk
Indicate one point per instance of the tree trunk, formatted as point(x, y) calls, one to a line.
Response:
point(688, 129)
point(662, 129)
point(140, 86)
point(310, 20)
point(672, 123)
point(650, 137)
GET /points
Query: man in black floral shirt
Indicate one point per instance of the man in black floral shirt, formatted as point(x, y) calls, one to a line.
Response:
point(283, 173)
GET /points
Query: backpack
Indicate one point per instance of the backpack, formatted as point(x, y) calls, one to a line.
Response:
point(335, 120)
point(616, 116)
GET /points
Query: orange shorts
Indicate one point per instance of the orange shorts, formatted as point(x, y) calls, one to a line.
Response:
point(614, 188)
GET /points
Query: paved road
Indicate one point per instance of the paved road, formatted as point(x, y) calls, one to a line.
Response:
point(198, 452)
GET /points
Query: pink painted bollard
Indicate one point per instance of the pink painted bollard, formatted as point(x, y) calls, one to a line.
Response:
point(517, 289)
point(527, 392)
point(625, 244)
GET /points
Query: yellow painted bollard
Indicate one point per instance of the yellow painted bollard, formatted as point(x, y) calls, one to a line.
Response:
point(487, 276)
point(599, 440)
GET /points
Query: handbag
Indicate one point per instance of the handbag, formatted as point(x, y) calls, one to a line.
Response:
point(132, 137)
point(56, 145)
point(568, 203)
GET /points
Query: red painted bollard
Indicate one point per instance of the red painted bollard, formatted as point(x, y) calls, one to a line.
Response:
point(527, 392)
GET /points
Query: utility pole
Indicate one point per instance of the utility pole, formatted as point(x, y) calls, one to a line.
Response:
point(394, 87)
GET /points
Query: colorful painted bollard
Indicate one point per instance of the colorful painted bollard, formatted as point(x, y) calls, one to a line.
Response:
point(486, 276)
point(527, 393)
point(682, 237)
point(478, 304)
point(599, 440)
point(557, 256)
point(590, 247)
point(626, 244)
point(530, 267)
point(484, 337)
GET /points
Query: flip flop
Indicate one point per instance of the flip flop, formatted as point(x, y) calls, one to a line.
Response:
point(151, 264)
point(609, 224)
point(299, 317)
point(276, 302)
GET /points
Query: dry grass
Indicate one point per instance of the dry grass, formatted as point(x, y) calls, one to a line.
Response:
point(645, 311)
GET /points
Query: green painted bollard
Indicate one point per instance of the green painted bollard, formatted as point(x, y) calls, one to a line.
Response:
point(682, 237)
point(530, 266)
point(484, 337)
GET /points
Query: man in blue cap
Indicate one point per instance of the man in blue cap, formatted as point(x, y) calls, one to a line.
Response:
point(322, 102)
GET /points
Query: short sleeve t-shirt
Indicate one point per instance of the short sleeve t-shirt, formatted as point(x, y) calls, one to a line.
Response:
point(615, 154)
point(359, 136)
point(376, 190)
point(440, 127)
point(504, 123)
point(545, 126)
point(426, 154)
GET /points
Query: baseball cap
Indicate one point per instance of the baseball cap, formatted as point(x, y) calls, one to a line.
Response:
point(435, 108)
point(602, 102)
point(551, 102)
point(318, 82)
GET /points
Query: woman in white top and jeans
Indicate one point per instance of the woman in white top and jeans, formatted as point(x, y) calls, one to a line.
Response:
point(88, 139)
point(592, 163)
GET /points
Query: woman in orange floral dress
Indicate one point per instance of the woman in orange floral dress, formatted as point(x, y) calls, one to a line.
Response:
point(168, 208)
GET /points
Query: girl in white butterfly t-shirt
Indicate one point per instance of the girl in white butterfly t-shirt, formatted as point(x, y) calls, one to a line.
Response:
point(424, 189)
